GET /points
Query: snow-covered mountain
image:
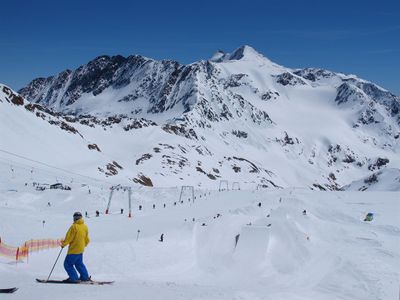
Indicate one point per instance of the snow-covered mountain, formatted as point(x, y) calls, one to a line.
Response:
point(236, 117)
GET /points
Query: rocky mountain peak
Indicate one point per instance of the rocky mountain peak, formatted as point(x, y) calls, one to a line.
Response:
point(206, 117)
point(245, 52)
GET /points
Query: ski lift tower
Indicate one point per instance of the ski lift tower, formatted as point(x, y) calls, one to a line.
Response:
point(189, 188)
point(223, 183)
point(116, 188)
point(236, 186)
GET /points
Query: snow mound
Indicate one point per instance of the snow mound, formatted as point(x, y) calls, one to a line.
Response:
point(214, 244)
point(251, 249)
point(288, 248)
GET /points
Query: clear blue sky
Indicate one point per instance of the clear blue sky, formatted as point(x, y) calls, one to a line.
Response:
point(42, 38)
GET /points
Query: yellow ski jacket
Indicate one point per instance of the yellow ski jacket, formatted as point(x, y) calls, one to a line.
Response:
point(77, 237)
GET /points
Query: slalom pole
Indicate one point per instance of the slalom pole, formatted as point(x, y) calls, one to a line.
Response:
point(55, 263)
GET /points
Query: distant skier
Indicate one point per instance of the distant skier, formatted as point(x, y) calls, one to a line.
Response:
point(86, 214)
point(97, 213)
point(122, 211)
point(165, 205)
point(161, 238)
point(304, 212)
point(154, 206)
point(77, 238)
point(140, 207)
point(259, 204)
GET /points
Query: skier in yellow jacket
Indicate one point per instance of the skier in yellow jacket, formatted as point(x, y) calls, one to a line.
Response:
point(77, 238)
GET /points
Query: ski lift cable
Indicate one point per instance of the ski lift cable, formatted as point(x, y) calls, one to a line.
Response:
point(42, 171)
point(39, 170)
point(54, 167)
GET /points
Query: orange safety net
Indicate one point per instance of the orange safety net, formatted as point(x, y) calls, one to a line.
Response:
point(23, 251)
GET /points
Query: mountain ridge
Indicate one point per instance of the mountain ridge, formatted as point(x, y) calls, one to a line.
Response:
point(303, 127)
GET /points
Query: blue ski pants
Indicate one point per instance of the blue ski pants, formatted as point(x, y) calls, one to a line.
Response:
point(73, 261)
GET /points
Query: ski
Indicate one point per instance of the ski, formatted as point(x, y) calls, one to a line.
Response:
point(91, 282)
point(8, 291)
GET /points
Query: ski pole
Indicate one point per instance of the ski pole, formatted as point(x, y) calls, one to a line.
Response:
point(55, 263)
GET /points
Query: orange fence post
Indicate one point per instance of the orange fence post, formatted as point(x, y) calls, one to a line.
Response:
point(26, 252)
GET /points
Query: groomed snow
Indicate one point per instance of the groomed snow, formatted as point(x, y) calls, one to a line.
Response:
point(330, 253)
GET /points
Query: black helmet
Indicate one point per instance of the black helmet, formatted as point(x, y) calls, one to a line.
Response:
point(77, 216)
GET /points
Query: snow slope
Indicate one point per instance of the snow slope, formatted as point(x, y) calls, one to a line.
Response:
point(238, 117)
point(236, 120)
point(330, 253)
point(387, 180)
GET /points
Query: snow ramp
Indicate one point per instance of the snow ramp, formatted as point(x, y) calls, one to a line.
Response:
point(252, 246)
point(214, 244)
point(288, 247)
